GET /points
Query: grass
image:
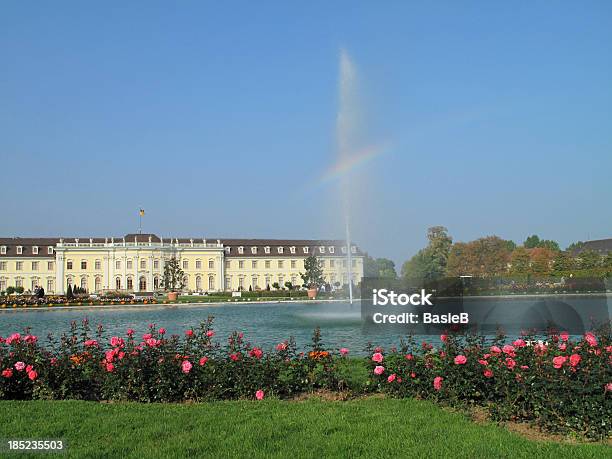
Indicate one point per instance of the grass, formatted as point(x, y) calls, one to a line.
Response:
point(371, 427)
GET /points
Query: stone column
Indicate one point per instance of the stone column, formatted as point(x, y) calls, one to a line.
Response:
point(59, 273)
point(150, 274)
point(136, 276)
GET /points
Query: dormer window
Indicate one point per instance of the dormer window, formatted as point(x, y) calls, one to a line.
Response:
point(267, 249)
point(35, 250)
point(353, 249)
point(19, 250)
point(305, 249)
point(343, 249)
point(280, 250)
point(331, 249)
point(228, 249)
point(240, 249)
point(3, 250)
point(292, 249)
point(321, 249)
point(253, 250)
point(50, 250)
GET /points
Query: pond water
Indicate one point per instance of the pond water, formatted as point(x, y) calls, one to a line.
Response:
point(263, 324)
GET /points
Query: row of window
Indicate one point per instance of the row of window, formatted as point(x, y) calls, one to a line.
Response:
point(268, 281)
point(281, 250)
point(281, 264)
point(35, 282)
point(143, 264)
point(19, 249)
point(19, 265)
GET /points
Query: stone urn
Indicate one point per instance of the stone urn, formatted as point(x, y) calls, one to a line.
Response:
point(312, 293)
point(172, 296)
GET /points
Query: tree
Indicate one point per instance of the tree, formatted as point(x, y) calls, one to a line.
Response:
point(430, 262)
point(484, 257)
point(520, 261)
point(563, 263)
point(378, 267)
point(532, 242)
point(589, 259)
point(313, 275)
point(174, 277)
point(289, 285)
point(276, 285)
point(69, 293)
point(10, 290)
point(541, 260)
point(19, 290)
point(574, 247)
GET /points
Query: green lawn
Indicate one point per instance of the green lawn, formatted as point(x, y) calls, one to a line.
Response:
point(370, 427)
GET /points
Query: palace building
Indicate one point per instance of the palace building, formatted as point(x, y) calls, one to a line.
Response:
point(135, 262)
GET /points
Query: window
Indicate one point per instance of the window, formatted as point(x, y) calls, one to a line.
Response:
point(84, 283)
point(241, 264)
point(280, 250)
point(155, 283)
point(2, 285)
point(321, 249)
point(332, 263)
point(198, 264)
point(2, 267)
point(130, 285)
point(50, 250)
point(19, 282)
point(240, 250)
point(118, 264)
point(353, 249)
point(331, 249)
point(211, 264)
point(34, 266)
point(155, 264)
point(142, 284)
point(185, 264)
point(280, 281)
point(305, 249)
point(293, 280)
point(69, 281)
point(228, 250)
point(343, 249)
point(35, 250)
point(19, 250)
point(50, 286)
point(332, 279)
point(198, 282)
point(292, 249)
point(3, 250)
point(267, 282)
point(240, 283)
point(228, 283)
point(118, 283)
point(267, 249)
point(19, 266)
point(280, 264)
point(211, 283)
point(293, 264)
point(143, 264)
point(50, 266)
point(98, 265)
point(267, 264)
point(98, 284)
point(254, 282)
point(83, 264)
point(186, 281)
point(34, 283)
point(128, 264)
point(253, 250)
point(254, 264)
point(228, 265)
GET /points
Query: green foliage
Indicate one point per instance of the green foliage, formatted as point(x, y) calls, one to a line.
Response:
point(289, 285)
point(313, 275)
point(10, 290)
point(430, 262)
point(19, 290)
point(378, 267)
point(174, 277)
point(534, 241)
point(276, 285)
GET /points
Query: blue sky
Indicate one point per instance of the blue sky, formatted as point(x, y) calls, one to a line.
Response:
point(219, 119)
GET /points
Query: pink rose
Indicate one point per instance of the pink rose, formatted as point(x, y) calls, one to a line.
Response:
point(344, 351)
point(211, 333)
point(117, 342)
point(509, 350)
point(564, 336)
point(19, 366)
point(281, 346)
point(130, 332)
point(377, 357)
point(259, 395)
point(186, 366)
point(146, 336)
point(437, 382)
point(495, 350)
point(29, 368)
point(91, 343)
point(562, 346)
point(559, 361)
point(379, 370)
point(14, 338)
point(591, 339)
point(162, 331)
point(540, 349)
point(256, 352)
point(203, 361)
point(460, 360)
point(32, 375)
point(235, 357)
point(413, 375)
point(7, 373)
point(391, 378)
point(189, 333)
point(520, 343)
point(510, 363)
point(444, 338)
point(488, 373)
point(110, 367)
point(609, 387)
point(524, 367)
point(409, 357)
point(574, 359)
point(31, 339)
point(152, 342)
point(483, 362)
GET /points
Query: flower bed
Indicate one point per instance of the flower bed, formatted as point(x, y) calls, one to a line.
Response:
point(564, 386)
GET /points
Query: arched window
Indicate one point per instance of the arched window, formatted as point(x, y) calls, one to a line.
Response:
point(142, 284)
point(98, 284)
point(211, 282)
point(198, 283)
point(155, 283)
point(118, 283)
point(130, 284)
point(186, 282)
point(84, 283)
point(50, 286)
point(69, 281)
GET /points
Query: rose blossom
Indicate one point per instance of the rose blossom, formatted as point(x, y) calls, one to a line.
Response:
point(377, 357)
point(7, 373)
point(30, 339)
point(146, 336)
point(460, 360)
point(413, 375)
point(203, 361)
point(574, 359)
point(110, 367)
point(344, 351)
point(509, 350)
point(117, 342)
point(488, 373)
point(259, 395)
point(591, 339)
point(19, 366)
point(510, 363)
point(186, 366)
point(211, 333)
point(562, 346)
point(32, 375)
point(564, 336)
point(379, 370)
point(256, 352)
point(520, 343)
point(437, 382)
point(281, 346)
point(189, 332)
point(483, 362)
point(496, 350)
point(609, 387)
point(409, 357)
point(235, 357)
point(444, 338)
point(130, 332)
point(91, 343)
point(559, 361)
point(391, 378)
